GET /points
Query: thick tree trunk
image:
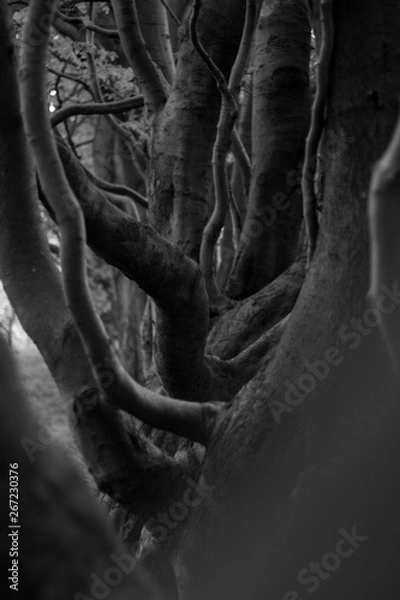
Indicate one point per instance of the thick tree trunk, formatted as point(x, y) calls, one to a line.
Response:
point(180, 179)
point(330, 391)
point(281, 108)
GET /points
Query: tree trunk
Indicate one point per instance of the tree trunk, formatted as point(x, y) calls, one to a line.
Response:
point(281, 107)
point(330, 391)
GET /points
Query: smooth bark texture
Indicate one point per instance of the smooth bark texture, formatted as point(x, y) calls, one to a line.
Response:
point(180, 184)
point(110, 448)
point(281, 100)
point(162, 271)
point(154, 27)
point(150, 79)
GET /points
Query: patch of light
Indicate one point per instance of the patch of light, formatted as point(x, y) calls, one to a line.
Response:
point(52, 108)
point(53, 93)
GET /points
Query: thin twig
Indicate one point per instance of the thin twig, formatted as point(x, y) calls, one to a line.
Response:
point(310, 204)
point(242, 157)
point(171, 12)
point(72, 78)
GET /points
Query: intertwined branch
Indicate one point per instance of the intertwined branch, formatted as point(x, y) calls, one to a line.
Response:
point(191, 420)
point(228, 114)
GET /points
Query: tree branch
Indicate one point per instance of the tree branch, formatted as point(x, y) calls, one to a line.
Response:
point(171, 12)
point(117, 189)
point(316, 127)
point(238, 328)
point(191, 420)
point(164, 273)
point(242, 158)
point(95, 108)
point(151, 81)
point(154, 26)
point(131, 469)
point(72, 78)
point(239, 370)
point(229, 111)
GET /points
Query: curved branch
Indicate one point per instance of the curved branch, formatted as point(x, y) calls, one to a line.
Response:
point(95, 108)
point(109, 33)
point(67, 29)
point(163, 272)
point(316, 127)
point(118, 189)
point(248, 361)
point(191, 420)
point(86, 23)
point(151, 81)
point(124, 464)
point(250, 24)
point(238, 328)
point(213, 68)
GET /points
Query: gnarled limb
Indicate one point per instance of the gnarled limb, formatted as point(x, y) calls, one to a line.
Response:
point(187, 419)
point(234, 373)
point(240, 327)
point(316, 127)
point(163, 272)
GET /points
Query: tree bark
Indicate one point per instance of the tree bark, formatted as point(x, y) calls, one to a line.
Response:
point(291, 417)
point(180, 179)
point(281, 109)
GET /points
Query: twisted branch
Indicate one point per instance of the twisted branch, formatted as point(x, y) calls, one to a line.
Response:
point(228, 114)
point(191, 420)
